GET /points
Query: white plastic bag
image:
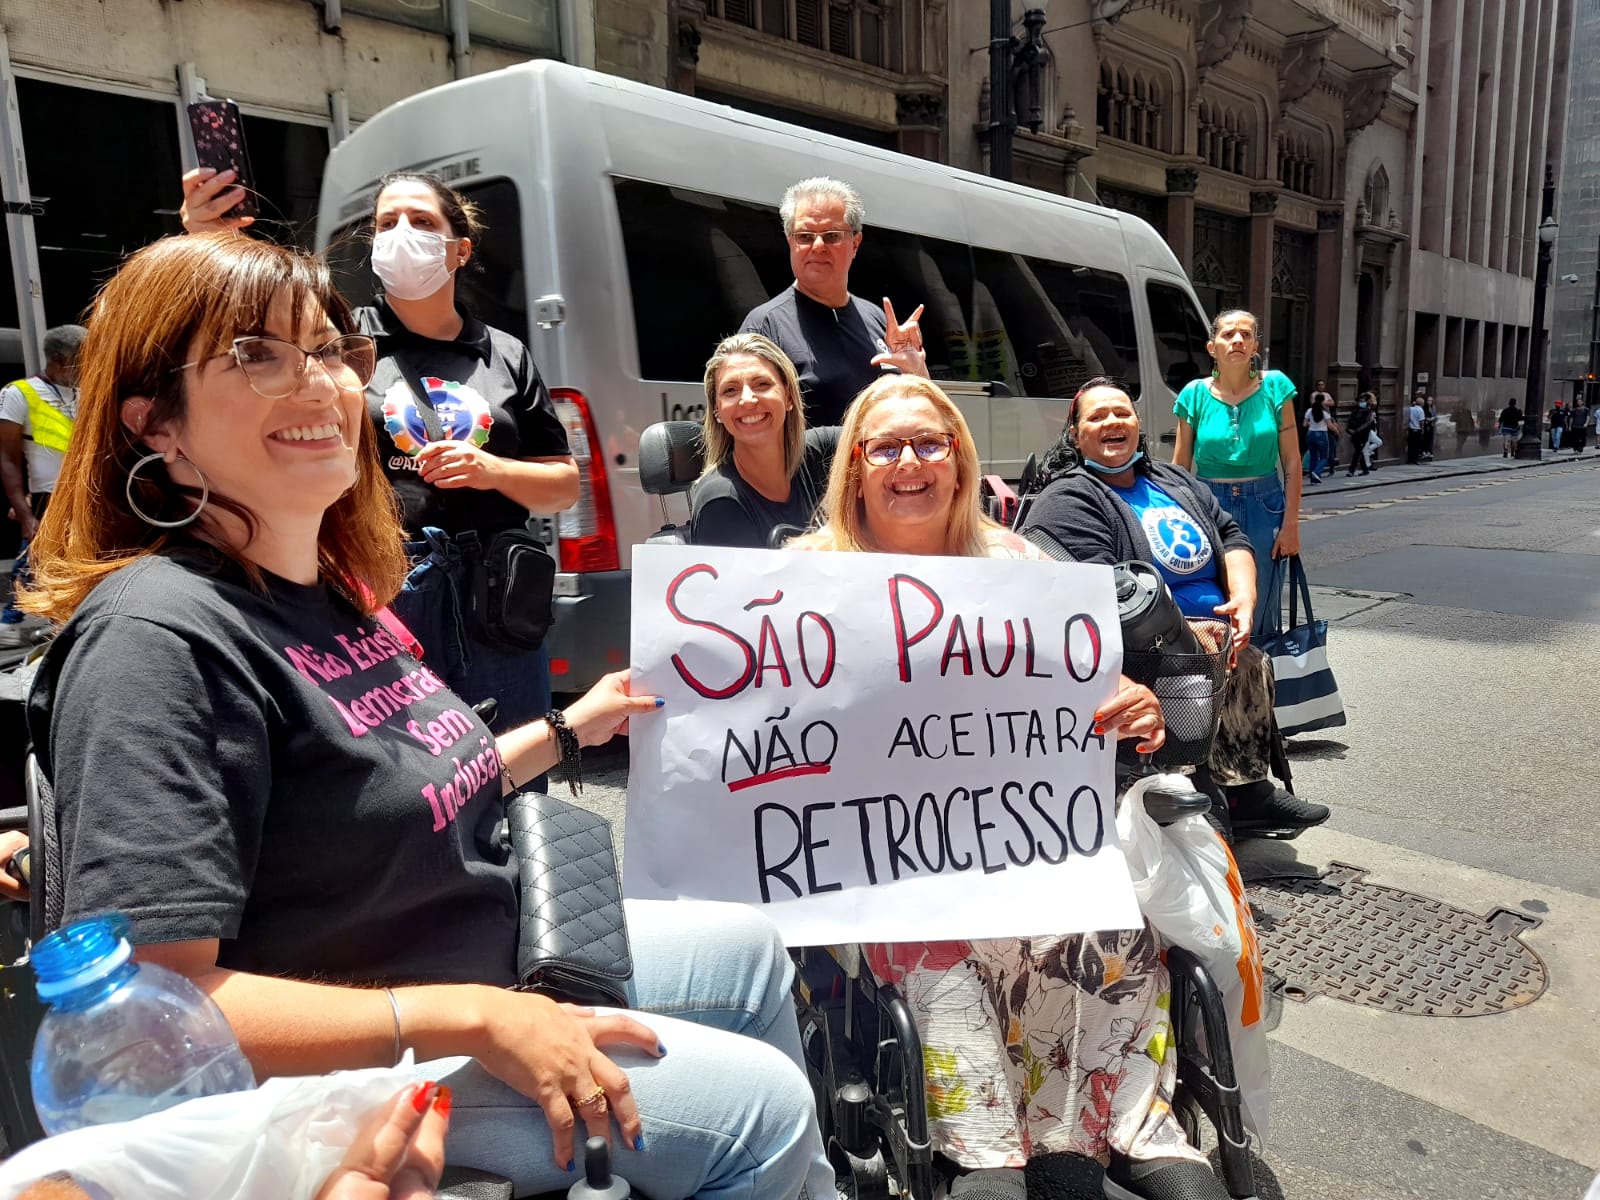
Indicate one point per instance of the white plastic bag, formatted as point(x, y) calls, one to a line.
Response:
point(1190, 891)
point(278, 1142)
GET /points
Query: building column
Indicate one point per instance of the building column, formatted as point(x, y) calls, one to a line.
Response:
point(1259, 289)
point(920, 117)
point(1181, 185)
point(1330, 273)
point(686, 57)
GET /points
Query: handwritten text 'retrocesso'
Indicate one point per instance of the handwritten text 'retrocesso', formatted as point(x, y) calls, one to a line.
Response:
point(875, 747)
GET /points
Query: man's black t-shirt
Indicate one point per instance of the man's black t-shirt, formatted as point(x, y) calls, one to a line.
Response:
point(727, 511)
point(1510, 417)
point(274, 771)
point(831, 348)
point(484, 389)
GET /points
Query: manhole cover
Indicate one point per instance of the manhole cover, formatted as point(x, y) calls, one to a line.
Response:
point(1337, 935)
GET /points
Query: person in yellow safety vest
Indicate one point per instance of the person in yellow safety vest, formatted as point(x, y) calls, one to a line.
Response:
point(36, 416)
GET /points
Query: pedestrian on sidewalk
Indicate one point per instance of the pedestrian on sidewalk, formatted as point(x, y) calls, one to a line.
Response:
point(1510, 428)
point(36, 416)
point(1430, 424)
point(1558, 424)
point(1578, 426)
point(1237, 431)
point(1359, 426)
point(1321, 429)
point(1415, 415)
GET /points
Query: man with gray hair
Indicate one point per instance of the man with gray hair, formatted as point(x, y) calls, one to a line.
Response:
point(36, 416)
point(838, 342)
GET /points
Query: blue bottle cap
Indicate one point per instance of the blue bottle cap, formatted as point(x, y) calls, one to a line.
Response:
point(80, 954)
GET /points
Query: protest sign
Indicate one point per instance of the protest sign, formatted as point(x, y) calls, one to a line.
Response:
point(876, 747)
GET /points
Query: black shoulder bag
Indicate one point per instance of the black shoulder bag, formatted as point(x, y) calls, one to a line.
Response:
point(513, 582)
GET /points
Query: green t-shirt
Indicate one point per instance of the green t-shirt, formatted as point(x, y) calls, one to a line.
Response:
point(1235, 441)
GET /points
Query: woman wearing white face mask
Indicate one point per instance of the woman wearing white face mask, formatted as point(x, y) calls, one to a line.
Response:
point(467, 432)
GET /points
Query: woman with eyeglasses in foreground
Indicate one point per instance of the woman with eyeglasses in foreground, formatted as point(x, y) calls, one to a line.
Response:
point(302, 818)
point(1032, 1045)
point(764, 470)
point(467, 433)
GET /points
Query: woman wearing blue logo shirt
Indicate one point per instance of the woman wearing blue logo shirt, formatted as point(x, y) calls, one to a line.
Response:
point(1108, 502)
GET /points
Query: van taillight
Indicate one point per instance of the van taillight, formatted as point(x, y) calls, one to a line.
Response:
point(588, 529)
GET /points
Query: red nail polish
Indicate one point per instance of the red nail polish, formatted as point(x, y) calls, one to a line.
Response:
point(441, 1102)
point(419, 1098)
point(1100, 729)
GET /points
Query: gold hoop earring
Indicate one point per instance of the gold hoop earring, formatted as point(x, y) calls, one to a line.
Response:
point(133, 472)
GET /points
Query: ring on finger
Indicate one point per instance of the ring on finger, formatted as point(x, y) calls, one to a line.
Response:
point(595, 1100)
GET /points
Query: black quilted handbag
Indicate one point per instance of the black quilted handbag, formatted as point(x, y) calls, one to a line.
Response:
point(573, 938)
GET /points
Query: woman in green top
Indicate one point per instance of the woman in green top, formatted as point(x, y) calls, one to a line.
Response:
point(1236, 431)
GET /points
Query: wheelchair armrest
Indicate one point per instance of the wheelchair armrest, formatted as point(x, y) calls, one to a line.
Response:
point(14, 818)
point(464, 1183)
point(1168, 805)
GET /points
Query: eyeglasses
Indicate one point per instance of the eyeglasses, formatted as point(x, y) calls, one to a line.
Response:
point(275, 367)
point(805, 238)
point(886, 451)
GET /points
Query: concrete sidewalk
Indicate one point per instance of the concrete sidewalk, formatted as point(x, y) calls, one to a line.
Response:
point(1394, 472)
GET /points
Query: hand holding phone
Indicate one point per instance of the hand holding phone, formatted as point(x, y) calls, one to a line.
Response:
point(219, 144)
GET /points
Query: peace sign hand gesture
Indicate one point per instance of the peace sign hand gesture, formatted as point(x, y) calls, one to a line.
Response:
point(904, 343)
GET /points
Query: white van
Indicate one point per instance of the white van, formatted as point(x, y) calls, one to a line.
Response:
point(631, 228)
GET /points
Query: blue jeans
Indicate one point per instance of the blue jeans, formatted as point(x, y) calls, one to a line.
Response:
point(11, 614)
point(1257, 504)
point(1317, 444)
point(727, 1112)
point(436, 602)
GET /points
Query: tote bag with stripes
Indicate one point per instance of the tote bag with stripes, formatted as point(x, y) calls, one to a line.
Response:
point(1307, 694)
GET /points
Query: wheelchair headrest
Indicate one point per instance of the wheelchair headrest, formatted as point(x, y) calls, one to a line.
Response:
point(671, 456)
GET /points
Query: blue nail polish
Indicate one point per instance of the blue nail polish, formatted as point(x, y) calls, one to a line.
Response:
point(572, 1165)
point(638, 1143)
point(660, 701)
point(661, 1049)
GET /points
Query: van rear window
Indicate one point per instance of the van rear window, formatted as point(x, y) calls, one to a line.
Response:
point(697, 263)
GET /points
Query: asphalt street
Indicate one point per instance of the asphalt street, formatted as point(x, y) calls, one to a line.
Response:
point(1465, 632)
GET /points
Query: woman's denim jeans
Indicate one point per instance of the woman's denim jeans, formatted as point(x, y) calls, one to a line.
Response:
point(436, 605)
point(1257, 504)
point(1317, 444)
point(727, 1111)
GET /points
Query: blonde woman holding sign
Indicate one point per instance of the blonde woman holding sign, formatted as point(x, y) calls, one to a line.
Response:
point(1032, 1045)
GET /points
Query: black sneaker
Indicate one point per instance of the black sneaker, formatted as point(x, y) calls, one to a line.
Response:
point(1161, 1179)
point(1261, 810)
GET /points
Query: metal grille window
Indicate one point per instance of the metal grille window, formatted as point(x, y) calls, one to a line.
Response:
point(422, 14)
point(521, 24)
point(863, 30)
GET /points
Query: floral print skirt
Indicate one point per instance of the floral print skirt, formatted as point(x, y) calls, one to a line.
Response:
point(1043, 1045)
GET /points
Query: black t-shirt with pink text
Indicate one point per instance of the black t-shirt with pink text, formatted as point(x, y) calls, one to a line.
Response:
point(272, 770)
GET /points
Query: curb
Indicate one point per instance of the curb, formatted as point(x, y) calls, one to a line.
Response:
point(1446, 473)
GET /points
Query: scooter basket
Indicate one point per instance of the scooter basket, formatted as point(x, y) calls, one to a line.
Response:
point(1189, 688)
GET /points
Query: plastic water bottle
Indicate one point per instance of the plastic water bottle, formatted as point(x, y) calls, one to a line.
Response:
point(122, 1038)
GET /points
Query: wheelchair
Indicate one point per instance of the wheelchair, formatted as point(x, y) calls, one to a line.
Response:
point(863, 1053)
point(23, 924)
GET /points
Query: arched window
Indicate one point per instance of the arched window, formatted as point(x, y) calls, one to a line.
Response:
point(1376, 194)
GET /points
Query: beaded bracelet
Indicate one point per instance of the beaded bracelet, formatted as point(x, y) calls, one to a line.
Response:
point(571, 751)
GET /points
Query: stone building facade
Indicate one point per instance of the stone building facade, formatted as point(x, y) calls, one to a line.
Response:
point(1574, 301)
point(1495, 115)
point(1363, 174)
